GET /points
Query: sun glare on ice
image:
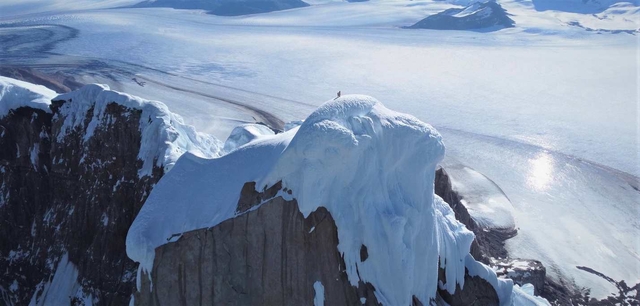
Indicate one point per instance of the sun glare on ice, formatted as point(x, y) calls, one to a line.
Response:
point(540, 171)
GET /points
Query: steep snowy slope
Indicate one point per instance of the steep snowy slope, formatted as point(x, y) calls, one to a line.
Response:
point(371, 168)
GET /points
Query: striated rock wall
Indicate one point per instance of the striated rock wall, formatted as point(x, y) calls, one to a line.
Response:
point(62, 194)
point(271, 255)
point(24, 194)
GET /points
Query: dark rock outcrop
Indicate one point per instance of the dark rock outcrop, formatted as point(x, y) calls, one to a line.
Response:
point(271, 255)
point(522, 272)
point(24, 194)
point(488, 247)
point(249, 197)
point(476, 291)
point(481, 252)
point(63, 194)
point(478, 15)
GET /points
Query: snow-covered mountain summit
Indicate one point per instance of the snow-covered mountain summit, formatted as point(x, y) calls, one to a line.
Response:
point(370, 168)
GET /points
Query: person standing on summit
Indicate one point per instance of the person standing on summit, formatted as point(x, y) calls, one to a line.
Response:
point(339, 93)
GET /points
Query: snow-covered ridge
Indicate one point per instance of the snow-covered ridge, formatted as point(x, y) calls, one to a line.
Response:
point(15, 94)
point(165, 136)
point(373, 169)
point(477, 15)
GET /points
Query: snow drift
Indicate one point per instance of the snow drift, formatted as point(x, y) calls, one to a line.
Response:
point(15, 94)
point(373, 169)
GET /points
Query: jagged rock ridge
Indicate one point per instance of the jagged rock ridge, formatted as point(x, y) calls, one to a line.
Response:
point(475, 16)
point(268, 256)
point(72, 181)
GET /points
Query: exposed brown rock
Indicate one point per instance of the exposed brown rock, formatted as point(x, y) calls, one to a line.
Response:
point(476, 291)
point(249, 197)
point(267, 256)
point(364, 254)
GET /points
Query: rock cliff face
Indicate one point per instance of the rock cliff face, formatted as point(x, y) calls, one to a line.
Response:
point(227, 7)
point(68, 194)
point(268, 256)
point(65, 195)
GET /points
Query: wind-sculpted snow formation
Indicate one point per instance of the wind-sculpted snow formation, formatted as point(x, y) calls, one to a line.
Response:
point(371, 168)
point(244, 134)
